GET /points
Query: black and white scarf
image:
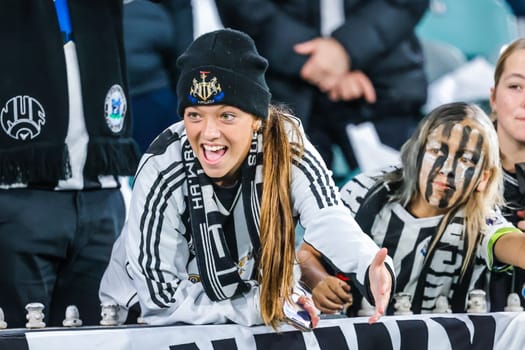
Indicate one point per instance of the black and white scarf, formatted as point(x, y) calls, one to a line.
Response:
point(34, 108)
point(218, 271)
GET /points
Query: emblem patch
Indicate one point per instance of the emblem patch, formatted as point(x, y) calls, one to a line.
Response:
point(205, 92)
point(194, 278)
point(22, 118)
point(115, 107)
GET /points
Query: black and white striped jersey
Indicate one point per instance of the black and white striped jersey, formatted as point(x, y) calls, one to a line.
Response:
point(408, 238)
point(156, 248)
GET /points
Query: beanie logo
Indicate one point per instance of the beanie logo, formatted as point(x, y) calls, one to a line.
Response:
point(205, 92)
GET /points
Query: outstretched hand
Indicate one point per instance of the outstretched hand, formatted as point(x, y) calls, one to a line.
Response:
point(380, 284)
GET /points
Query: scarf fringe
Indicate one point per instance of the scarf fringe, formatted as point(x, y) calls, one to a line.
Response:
point(119, 157)
point(34, 164)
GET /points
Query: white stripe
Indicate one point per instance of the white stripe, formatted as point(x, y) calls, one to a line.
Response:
point(217, 238)
point(77, 137)
point(210, 262)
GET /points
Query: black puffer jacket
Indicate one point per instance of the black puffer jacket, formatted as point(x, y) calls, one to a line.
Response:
point(377, 34)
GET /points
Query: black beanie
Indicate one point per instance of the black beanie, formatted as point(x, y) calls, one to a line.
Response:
point(223, 67)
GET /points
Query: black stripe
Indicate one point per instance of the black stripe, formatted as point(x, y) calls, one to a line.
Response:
point(330, 338)
point(316, 175)
point(358, 200)
point(317, 196)
point(393, 233)
point(165, 192)
point(320, 168)
point(408, 262)
point(146, 228)
point(13, 340)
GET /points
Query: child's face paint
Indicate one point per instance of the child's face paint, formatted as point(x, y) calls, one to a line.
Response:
point(450, 166)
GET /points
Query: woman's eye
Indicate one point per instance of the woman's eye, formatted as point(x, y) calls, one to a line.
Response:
point(228, 116)
point(515, 87)
point(192, 116)
point(467, 160)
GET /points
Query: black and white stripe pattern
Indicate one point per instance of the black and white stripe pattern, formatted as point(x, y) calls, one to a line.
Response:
point(151, 222)
point(439, 331)
point(408, 238)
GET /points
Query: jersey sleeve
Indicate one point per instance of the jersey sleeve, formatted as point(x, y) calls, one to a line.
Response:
point(329, 225)
point(496, 227)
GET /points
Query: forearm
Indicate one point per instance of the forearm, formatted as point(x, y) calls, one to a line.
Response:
point(312, 270)
point(510, 249)
point(191, 305)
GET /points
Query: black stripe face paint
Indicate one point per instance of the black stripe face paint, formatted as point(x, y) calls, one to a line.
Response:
point(450, 166)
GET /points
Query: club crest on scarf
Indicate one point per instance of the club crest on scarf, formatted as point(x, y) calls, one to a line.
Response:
point(22, 118)
point(115, 106)
point(205, 91)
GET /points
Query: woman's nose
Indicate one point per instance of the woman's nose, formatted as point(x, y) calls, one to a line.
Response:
point(447, 166)
point(211, 129)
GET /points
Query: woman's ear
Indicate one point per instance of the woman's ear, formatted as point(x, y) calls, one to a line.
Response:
point(484, 180)
point(492, 99)
point(257, 125)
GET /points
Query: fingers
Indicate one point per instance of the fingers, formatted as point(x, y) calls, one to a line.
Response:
point(380, 284)
point(331, 295)
point(369, 93)
point(521, 225)
point(379, 259)
point(328, 62)
point(310, 72)
point(328, 83)
point(381, 302)
point(375, 317)
point(305, 48)
point(308, 306)
point(352, 86)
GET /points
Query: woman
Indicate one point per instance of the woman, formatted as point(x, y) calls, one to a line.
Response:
point(210, 234)
point(507, 100)
point(435, 214)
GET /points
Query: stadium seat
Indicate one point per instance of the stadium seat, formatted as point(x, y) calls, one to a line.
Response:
point(476, 27)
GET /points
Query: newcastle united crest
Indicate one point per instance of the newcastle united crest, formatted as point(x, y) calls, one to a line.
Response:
point(205, 91)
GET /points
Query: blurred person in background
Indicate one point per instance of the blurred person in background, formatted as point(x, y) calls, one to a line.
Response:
point(65, 139)
point(507, 100)
point(155, 34)
point(337, 63)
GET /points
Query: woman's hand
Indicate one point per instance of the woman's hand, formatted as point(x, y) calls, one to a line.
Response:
point(308, 305)
point(380, 284)
point(331, 295)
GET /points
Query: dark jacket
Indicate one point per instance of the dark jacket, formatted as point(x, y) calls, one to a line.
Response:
point(378, 35)
point(155, 35)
